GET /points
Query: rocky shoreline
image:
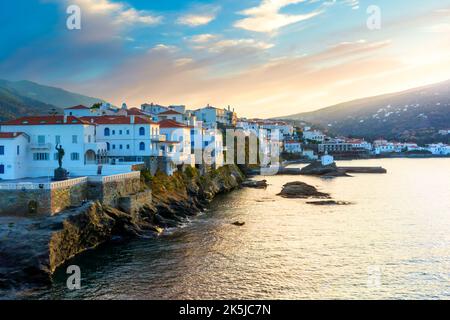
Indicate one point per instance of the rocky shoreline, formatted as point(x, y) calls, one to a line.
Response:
point(31, 249)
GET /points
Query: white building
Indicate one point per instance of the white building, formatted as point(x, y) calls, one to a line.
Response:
point(83, 154)
point(127, 138)
point(444, 132)
point(13, 154)
point(326, 160)
point(211, 116)
point(213, 148)
point(292, 146)
point(177, 144)
point(439, 149)
point(314, 135)
point(171, 115)
point(153, 109)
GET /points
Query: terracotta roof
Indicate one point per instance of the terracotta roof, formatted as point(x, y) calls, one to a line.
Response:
point(79, 107)
point(10, 135)
point(45, 120)
point(172, 124)
point(119, 120)
point(169, 112)
point(135, 112)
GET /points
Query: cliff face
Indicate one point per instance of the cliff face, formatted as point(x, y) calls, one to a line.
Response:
point(31, 249)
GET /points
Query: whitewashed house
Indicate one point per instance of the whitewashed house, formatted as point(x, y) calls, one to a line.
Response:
point(177, 144)
point(13, 155)
point(292, 146)
point(128, 138)
point(211, 116)
point(439, 149)
point(83, 153)
point(314, 135)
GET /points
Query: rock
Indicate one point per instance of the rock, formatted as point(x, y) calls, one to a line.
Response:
point(255, 184)
point(329, 203)
point(301, 190)
point(238, 223)
point(316, 168)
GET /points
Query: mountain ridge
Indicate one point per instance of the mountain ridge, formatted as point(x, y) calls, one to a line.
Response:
point(415, 114)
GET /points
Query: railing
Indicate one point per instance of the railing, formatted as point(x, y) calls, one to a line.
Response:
point(122, 176)
point(45, 185)
point(158, 137)
point(42, 146)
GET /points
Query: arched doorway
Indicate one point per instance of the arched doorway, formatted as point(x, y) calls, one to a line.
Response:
point(90, 157)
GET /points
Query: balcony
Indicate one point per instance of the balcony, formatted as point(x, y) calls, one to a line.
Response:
point(158, 138)
point(40, 146)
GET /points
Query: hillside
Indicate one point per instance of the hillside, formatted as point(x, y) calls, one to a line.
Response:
point(28, 98)
point(415, 115)
point(13, 105)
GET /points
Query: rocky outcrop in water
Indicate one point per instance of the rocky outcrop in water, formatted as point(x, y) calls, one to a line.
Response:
point(255, 184)
point(317, 169)
point(298, 189)
point(31, 249)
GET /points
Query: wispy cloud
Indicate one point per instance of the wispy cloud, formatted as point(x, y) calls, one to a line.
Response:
point(267, 16)
point(200, 16)
point(120, 12)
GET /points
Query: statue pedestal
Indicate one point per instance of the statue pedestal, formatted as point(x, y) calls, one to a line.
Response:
point(60, 174)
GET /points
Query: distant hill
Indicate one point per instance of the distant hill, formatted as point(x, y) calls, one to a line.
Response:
point(13, 105)
point(414, 115)
point(21, 98)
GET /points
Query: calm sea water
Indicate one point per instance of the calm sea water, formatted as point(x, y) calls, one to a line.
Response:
point(394, 242)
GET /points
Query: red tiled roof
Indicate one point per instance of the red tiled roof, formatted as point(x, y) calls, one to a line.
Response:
point(119, 120)
point(45, 120)
point(169, 112)
point(79, 107)
point(10, 135)
point(172, 124)
point(135, 112)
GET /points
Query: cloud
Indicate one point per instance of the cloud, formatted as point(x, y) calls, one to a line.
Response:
point(201, 38)
point(439, 28)
point(120, 12)
point(202, 15)
point(239, 43)
point(267, 17)
point(256, 91)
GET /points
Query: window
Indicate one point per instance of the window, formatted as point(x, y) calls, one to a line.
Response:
point(2, 169)
point(128, 146)
point(2, 150)
point(142, 131)
point(74, 156)
point(120, 147)
point(108, 146)
point(89, 138)
point(74, 139)
point(18, 150)
point(142, 146)
point(128, 131)
point(114, 132)
point(41, 156)
point(114, 146)
point(120, 132)
point(107, 132)
point(57, 139)
point(41, 139)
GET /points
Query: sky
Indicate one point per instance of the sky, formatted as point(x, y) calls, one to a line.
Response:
point(265, 58)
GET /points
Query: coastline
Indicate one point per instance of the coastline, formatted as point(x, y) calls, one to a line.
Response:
point(33, 248)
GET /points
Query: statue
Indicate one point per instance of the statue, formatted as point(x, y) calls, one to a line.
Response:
point(61, 154)
point(60, 173)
